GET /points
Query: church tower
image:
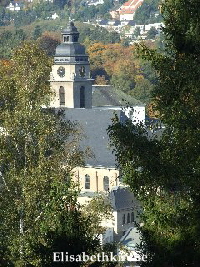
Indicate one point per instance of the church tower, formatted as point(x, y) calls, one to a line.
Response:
point(70, 76)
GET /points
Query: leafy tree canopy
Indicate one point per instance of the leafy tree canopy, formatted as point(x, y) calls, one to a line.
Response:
point(162, 166)
point(146, 12)
point(38, 149)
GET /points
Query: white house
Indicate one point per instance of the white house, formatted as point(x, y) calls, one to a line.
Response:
point(15, 6)
point(55, 16)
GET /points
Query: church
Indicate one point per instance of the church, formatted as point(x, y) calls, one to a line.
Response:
point(72, 86)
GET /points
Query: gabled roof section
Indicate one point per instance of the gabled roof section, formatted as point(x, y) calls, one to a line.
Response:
point(106, 95)
point(130, 6)
point(122, 198)
point(93, 123)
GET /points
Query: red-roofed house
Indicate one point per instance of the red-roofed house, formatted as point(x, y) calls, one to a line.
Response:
point(127, 10)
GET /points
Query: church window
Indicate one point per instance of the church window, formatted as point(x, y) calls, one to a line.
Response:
point(128, 218)
point(66, 39)
point(62, 95)
point(124, 219)
point(132, 216)
point(106, 183)
point(82, 97)
point(87, 181)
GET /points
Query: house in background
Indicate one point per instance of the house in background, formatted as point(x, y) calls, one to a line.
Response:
point(127, 10)
point(15, 6)
point(55, 16)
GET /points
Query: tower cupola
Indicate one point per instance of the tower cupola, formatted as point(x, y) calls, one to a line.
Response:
point(70, 34)
point(70, 50)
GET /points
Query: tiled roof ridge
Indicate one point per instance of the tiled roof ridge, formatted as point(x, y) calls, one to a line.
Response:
point(131, 2)
point(131, 5)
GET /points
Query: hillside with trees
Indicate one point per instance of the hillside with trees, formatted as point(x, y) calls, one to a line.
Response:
point(118, 65)
point(149, 12)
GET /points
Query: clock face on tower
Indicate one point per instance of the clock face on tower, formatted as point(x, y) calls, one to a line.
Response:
point(61, 71)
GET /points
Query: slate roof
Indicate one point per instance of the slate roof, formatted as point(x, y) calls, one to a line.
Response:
point(117, 23)
point(103, 22)
point(108, 96)
point(131, 23)
point(122, 198)
point(94, 123)
point(70, 50)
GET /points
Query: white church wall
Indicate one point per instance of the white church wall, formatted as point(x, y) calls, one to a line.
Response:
point(136, 114)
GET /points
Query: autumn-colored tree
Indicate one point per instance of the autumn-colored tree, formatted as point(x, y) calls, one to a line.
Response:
point(101, 80)
point(48, 42)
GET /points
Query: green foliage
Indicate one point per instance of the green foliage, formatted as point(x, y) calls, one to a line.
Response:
point(61, 3)
point(151, 33)
point(96, 34)
point(85, 13)
point(146, 12)
point(98, 208)
point(136, 32)
point(48, 43)
point(37, 32)
point(38, 149)
point(2, 16)
point(122, 82)
point(43, 9)
point(24, 17)
point(162, 167)
point(142, 90)
point(4, 3)
point(9, 40)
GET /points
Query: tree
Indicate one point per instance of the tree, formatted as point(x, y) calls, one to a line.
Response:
point(48, 42)
point(61, 3)
point(146, 12)
point(38, 149)
point(136, 32)
point(163, 168)
point(101, 80)
point(4, 3)
point(9, 40)
point(142, 89)
point(151, 34)
point(37, 32)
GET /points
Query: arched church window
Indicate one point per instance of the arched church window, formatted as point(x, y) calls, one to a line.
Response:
point(106, 183)
point(124, 219)
point(87, 181)
point(66, 39)
point(132, 216)
point(128, 218)
point(62, 95)
point(82, 97)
